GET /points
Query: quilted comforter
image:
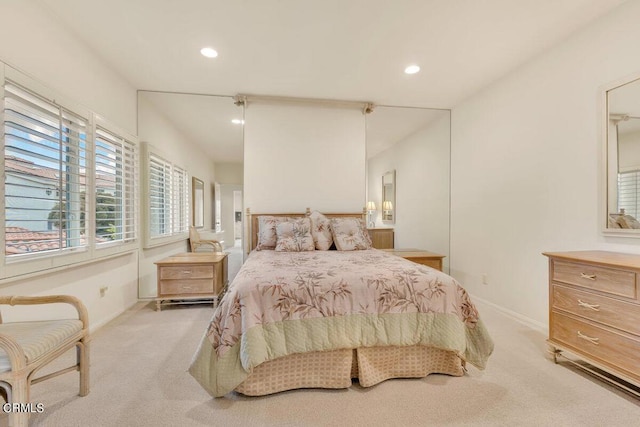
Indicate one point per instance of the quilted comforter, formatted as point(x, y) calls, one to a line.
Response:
point(282, 303)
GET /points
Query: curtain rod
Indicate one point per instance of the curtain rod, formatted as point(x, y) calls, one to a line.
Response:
point(245, 99)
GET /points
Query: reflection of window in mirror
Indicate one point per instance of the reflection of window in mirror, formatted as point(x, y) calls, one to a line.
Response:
point(623, 153)
point(197, 188)
point(217, 208)
point(388, 197)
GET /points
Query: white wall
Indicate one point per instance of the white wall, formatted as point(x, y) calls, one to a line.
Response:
point(526, 165)
point(629, 150)
point(34, 43)
point(155, 129)
point(229, 173)
point(421, 162)
point(303, 155)
point(227, 201)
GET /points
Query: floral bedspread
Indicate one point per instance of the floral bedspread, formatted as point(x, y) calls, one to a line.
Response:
point(282, 303)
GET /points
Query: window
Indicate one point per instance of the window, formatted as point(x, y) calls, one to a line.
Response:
point(168, 188)
point(45, 149)
point(180, 201)
point(628, 188)
point(116, 191)
point(70, 187)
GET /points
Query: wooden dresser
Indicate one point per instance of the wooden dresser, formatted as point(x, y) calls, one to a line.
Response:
point(418, 256)
point(594, 310)
point(381, 238)
point(191, 276)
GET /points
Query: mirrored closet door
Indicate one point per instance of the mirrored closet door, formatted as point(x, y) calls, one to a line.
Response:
point(408, 170)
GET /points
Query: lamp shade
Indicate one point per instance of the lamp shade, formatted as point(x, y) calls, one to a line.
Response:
point(371, 206)
point(387, 205)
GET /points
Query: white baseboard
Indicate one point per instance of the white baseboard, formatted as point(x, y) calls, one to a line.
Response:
point(515, 316)
point(94, 327)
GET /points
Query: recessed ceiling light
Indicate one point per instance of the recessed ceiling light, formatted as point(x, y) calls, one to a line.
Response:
point(237, 121)
point(209, 52)
point(412, 69)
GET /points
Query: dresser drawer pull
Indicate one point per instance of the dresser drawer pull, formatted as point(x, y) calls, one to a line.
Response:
point(186, 272)
point(588, 276)
point(594, 307)
point(187, 287)
point(588, 338)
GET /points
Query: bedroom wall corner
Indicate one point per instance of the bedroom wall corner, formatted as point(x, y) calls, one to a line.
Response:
point(526, 157)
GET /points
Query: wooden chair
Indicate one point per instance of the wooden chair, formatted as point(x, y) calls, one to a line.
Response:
point(31, 345)
point(196, 242)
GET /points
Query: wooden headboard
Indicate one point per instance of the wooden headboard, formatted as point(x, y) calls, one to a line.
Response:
point(252, 222)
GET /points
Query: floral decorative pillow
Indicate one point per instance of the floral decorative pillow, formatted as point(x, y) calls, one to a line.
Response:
point(350, 234)
point(294, 235)
point(321, 231)
point(267, 232)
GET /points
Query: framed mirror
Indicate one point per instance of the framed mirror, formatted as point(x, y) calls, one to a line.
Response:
point(197, 202)
point(622, 136)
point(389, 197)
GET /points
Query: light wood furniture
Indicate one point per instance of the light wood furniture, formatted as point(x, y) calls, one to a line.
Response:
point(381, 238)
point(594, 311)
point(195, 242)
point(190, 278)
point(419, 256)
point(29, 346)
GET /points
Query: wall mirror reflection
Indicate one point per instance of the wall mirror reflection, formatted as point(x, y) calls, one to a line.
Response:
point(170, 121)
point(623, 158)
point(197, 202)
point(409, 147)
point(388, 197)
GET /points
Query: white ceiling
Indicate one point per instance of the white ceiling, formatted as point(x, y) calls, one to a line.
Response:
point(332, 49)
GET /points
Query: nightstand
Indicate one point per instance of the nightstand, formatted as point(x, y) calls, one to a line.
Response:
point(381, 238)
point(430, 259)
point(191, 277)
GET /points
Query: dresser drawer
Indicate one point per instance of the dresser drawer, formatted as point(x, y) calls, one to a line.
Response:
point(186, 272)
point(610, 348)
point(611, 312)
point(608, 280)
point(186, 286)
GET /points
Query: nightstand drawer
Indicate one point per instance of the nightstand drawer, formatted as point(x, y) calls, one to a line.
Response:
point(186, 272)
point(186, 286)
point(433, 263)
point(608, 311)
point(608, 280)
point(604, 345)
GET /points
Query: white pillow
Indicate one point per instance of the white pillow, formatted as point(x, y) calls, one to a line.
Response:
point(321, 231)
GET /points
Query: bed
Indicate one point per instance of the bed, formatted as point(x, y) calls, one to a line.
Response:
point(297, 316)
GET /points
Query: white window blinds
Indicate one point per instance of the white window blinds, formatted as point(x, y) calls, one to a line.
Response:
point(168, 198)
point(116, 192)
point(628, 187)
point(45, 149)
point(180, 201)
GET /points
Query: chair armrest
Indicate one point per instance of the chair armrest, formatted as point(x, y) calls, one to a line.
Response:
point(217, 246)
point(83, 315)
point(16, 355)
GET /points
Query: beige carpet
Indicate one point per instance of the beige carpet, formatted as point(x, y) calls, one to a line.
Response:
point(138, 378)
